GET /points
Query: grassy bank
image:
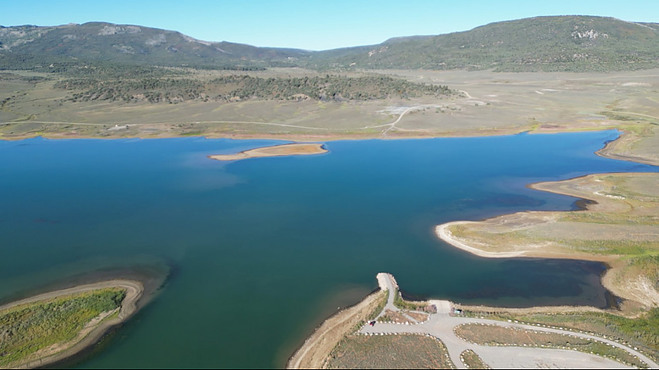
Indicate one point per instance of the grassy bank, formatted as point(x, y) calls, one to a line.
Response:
point(35, 330)
point(619, 228)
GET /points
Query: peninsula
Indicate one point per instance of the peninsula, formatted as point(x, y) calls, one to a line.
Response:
point(441, 334)
point(53, 326)
point(618, 227)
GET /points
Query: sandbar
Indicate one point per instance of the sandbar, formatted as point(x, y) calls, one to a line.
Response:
point(274, 151)
point(91, 334)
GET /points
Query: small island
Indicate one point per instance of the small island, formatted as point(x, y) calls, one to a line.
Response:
point(50, 327)
point(274, 151)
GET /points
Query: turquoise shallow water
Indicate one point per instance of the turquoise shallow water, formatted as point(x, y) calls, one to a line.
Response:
point(263, 249)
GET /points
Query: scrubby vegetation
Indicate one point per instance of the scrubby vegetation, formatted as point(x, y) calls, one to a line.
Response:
point(241, 87)
point(472, 360)
point(493, 335)
point(618, 231)
point(562, 43)
point(390, 352)
point(408, 305)
point(29, 328)
point(376, 311)
point(641, 332)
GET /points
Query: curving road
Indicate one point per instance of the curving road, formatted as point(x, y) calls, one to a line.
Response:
point(442, 324)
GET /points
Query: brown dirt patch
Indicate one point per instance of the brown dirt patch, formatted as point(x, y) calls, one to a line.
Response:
point(390, 352)
point(418, 316)
point(472, 360)
point(273, 151)
point(394, 316)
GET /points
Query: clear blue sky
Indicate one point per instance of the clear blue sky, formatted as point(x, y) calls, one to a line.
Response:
point(312, 25)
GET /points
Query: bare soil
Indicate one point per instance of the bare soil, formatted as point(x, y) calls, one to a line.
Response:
point(397, 317)
point(390, 352)
point(273, 151)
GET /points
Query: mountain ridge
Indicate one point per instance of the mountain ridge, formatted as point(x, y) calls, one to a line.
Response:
point(547, 43)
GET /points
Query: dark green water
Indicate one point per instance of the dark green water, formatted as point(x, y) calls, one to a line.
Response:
point(261, 250)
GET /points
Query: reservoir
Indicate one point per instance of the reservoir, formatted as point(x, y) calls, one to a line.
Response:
point(260, 251)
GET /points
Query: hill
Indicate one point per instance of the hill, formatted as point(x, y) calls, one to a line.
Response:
point(128, 44)
point(557, 43)
point(561, 43)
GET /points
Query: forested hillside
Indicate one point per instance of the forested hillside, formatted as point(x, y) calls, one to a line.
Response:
point(242, 87)
point(565, 43)
point(560, 43)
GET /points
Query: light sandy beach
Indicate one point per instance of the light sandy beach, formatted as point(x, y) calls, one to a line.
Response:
point(618, 217)
point(274, 151)
point(445, 234)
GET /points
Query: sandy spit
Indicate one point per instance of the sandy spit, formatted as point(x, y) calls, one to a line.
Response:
point(444, 233)
point(274, 151)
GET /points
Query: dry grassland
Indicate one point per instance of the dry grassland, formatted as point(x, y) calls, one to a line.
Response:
point(492, 103)
point(620, 228)
point(472, 360)
point(491, 335)
point(390, 352)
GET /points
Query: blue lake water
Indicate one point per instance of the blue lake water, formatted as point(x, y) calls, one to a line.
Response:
point(261, 250)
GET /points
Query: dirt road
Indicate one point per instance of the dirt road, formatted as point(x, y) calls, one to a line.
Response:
point(443, 323)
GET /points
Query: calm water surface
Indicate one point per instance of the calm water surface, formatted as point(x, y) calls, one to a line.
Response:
point(263, 249)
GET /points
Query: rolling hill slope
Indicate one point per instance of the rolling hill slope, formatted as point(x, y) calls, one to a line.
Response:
point(558, 43)
point(128, 44)
point(562, 43)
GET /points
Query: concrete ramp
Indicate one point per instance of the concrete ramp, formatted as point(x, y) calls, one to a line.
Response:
point(443, 307)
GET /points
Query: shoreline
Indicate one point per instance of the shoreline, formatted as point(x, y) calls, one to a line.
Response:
point(606, 151)
point(442, 232)
point(626, 137)
point(134, 292)
point(595, 203)
point(316, 349)
point(445, 235)
point(310, 355)
point(274, 151)
point(306, 138)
